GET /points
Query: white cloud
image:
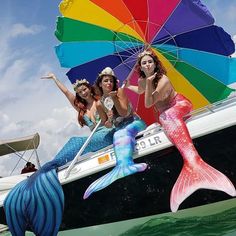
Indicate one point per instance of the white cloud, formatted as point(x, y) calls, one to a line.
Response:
point(36, 109)
point(4, 119)
point(28, 104)
point(54, 132)
point(22, 30)
point(14, 75)
point(234, 39)
point(7, 53)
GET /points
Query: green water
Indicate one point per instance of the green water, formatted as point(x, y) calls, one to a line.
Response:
point(217, 224)
point(217, 219)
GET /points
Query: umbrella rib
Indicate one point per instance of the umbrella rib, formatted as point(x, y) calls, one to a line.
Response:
point(133, 20)
point(131, 50)
point(184, 32)
point(197, 28)
point(166, 21)
point(200, 70)
point(123, 41)
point(147, 23)
point(181, 32)
point(168, 39)
point(131, 71)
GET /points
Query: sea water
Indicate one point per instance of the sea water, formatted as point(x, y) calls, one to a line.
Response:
point(218, 219)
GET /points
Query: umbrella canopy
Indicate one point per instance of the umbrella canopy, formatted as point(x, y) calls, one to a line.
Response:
point(195, 52)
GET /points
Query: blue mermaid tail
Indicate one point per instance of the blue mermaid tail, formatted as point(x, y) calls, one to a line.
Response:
point(37, 204)
point(124, 144)
point(72, 147)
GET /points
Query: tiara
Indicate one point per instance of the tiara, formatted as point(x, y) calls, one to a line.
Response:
point(144, 53)
point(79, 82)
point(107, 71)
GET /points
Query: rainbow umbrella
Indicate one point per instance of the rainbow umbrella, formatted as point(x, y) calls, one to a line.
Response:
point(196, 53)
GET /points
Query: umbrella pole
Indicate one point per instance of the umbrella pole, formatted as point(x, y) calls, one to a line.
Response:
point(109, 107)
point(81, 150)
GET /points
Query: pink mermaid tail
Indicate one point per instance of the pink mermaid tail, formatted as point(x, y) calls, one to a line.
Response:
point(198, 175)
point(195, 174)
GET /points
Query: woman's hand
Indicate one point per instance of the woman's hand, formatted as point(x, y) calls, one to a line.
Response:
point(49, 76)
point(126, 83)
point(113, 94)
point(110, 115)
point(152, 77)
point(108, 122)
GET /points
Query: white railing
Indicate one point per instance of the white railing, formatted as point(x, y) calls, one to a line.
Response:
point(156, 128)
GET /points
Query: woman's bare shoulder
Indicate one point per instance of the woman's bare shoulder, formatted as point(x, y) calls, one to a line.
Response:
point(98, 103)
point(165, 78)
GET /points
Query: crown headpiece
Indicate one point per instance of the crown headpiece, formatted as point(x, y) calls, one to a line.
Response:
point(144, 53)
point(79, 82)
point(107, 71)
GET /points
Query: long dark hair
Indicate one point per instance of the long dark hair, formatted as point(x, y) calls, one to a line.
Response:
point(82, 103)
point(98, 89)
point(159, 68)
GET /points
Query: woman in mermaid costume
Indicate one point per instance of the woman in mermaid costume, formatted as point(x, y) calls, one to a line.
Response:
point(171, 109)
point(84, 102)
point(115, 109)
point(37, 203)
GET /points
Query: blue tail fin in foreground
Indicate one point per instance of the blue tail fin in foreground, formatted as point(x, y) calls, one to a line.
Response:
point(35, 204)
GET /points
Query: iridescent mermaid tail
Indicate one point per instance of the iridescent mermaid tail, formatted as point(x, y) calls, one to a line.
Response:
point(124, 144)
point(35, 204)
point(195, 174)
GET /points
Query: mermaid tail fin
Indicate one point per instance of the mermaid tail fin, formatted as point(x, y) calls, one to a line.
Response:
point(124, 143)
point(35, 203)
point(13, 207)
point(198, 175)
point(118, 172)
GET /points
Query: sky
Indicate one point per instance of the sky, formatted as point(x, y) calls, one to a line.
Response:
point(29, 104)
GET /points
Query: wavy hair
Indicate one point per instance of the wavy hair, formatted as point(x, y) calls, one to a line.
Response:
point(82, 103)
point(98, 88)
point(159, 68)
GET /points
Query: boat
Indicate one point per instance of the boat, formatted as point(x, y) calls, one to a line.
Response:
point(139, 198)
point(20, 147)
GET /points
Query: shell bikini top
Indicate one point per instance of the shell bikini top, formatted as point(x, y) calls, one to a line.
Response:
point(89, 122)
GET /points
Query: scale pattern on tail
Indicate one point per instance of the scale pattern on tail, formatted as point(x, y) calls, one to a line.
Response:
point(36, 204)
point(195, 174)
point(124, 144)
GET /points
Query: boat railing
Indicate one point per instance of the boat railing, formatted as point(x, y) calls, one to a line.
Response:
point(195, 114)
point(156, 128)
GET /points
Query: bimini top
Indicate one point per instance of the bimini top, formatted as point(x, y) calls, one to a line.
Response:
point(19, 144)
